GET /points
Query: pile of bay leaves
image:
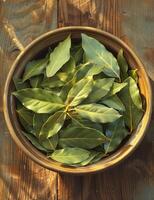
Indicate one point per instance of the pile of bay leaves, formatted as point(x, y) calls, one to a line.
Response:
point(78, 103)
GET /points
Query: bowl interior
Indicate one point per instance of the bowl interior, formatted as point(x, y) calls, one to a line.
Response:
point(37, 49)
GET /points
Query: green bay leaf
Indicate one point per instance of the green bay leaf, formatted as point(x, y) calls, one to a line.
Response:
point(133, 74)
point(117, 87)
point(36, 81)
point(87, 69)
point(53, 124)
point(27, 115)
point(114, 102)
point(79, 91)
point(26, 119)
point(59, 80)
point(134, 93)
point(28, 128)
point(81, 122)
point(70, 155)
point(50, 143)
point(122, 64)
point(59, 56)
point(93, 154)
point(35, 67)
point(82, 137)
point(132, 115)
point(19, 84)
point(117, 132)
point(70, 66)
point(39, 100)
point(34, 141)
point(100, 88)
point(96, 53)
point(97, 113)
point(97, 157)
point(77, 53)
point(38, 121)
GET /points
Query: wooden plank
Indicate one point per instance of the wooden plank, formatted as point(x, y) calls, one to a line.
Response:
point(69, 187)
point(133, 22)
point(20, 23)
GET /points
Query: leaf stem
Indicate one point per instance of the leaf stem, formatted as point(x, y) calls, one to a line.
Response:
point(75, 120)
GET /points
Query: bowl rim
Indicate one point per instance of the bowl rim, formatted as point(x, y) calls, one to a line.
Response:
point(93, 169)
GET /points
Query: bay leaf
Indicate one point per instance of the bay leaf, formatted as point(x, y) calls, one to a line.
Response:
point(34, 141)
point(96, 53)
point(34, 68)
point(39, 100)
point(36, 81)
point(70, 66)
point(77, 53)
point(27, 127)
point(87, 69)
point(27, 115)
point(19, 84)
point(92, 155)
point(117, 87)
point(52, 82)
point(80, 122)
point(97, 157)
point(97, 113)
point(65, 90)
point(114, 102)
point(133, 74)
point(38, 121)
point(70, 155)
point(79, 91)
point(122, 64)
point(117, 132)
point(59, 56)
point(100, 88)
point(132, 115)
point(53, 124)
point(50, 143)
point(100, 148)
point(82, 137)
point(134, 92)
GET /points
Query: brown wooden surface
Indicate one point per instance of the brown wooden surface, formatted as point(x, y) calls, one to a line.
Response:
point(23, 20)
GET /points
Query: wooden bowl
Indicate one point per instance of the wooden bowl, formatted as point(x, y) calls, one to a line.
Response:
point(33, 50)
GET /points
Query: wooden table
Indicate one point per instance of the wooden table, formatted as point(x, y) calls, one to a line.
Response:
point(21, 21)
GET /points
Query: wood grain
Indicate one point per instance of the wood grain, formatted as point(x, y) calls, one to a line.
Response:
point(134, 178)
point(20, 23)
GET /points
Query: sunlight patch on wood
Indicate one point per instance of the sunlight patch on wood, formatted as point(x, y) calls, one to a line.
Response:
point(10, 30)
